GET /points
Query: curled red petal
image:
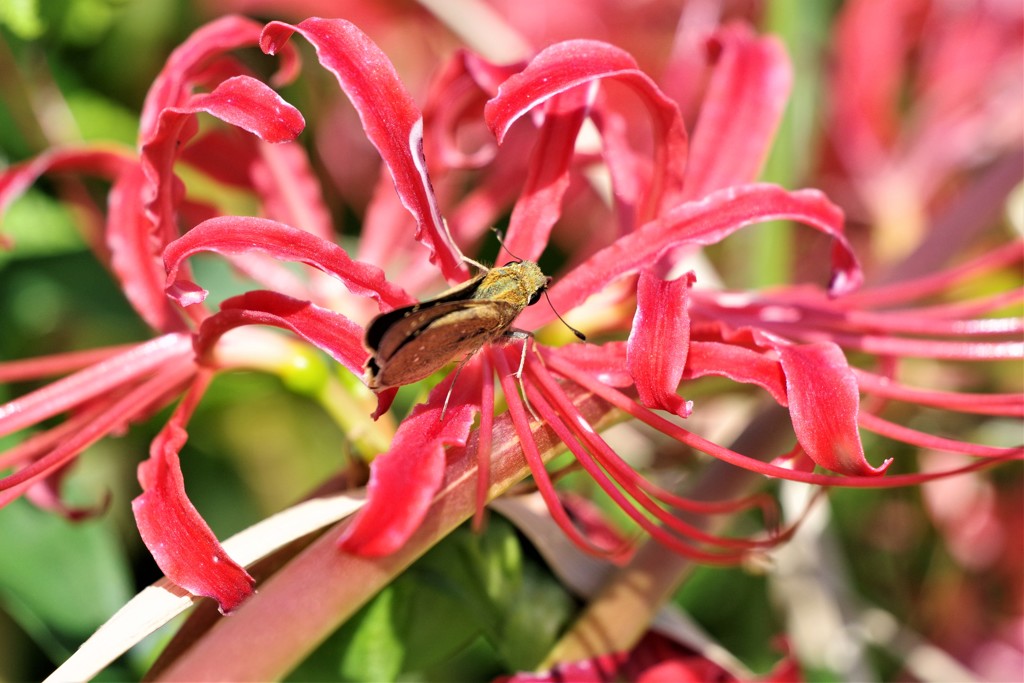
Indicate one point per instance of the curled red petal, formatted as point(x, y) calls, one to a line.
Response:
point(403, 481)
point(738, 363)
point(456, 96)
point(241, 101)
point(606, 362)
point(181, 542)
point(246, 234)
point(385, 398)
point(329, 331)
point(105, 162)
point(700, 223)
point(132, 256)
point(539, 205)
point(389, 116)
point(556, 69)
point(742, 108)
point(659, 341)
point(251, 105)
point(574, 63)
point(185, 65)
point(824, 404)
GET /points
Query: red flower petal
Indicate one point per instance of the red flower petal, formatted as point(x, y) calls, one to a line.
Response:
point(173, 85)
point(655, 659)
point(385, 398)
point(456, 96)
point(242, 101)
point(403, 481)
point(824, 404)
point(224, 154)
point(606, 362)
point(739, 364)
point(132, 256)
point(250, 105)
point(183, 545)
point(332, 332)
point(703, 222)
point(245, 234)
point(579, 62)
point(540, 203)
point(868, 78)
point(283, 177)
point(743, 105)
point(659, 341)
point(389, 116)
point(104, 162)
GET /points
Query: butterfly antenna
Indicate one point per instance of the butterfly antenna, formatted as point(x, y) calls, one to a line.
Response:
point(501, 241)
point(579, 335)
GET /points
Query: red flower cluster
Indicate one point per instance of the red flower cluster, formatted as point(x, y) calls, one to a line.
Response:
point(585, 127)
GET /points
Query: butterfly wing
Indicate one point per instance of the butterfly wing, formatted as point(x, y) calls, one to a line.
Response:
point(422, 339)
point(380, 325)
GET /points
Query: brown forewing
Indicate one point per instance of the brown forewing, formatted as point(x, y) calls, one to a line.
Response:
point(420, 342)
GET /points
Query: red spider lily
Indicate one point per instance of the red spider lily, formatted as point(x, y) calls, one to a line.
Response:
point(926, 105)
point(813, 379)
point(790, 343)
point(112, 388)
point(655, 658)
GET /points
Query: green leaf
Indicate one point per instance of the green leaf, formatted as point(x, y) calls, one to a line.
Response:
point(375, 651)
point(535, 618)
point(472, 606)
point(58, 579)
point(733, 606)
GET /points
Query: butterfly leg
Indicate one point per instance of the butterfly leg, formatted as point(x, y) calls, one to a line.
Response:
point(526, 338)
point(448, 396)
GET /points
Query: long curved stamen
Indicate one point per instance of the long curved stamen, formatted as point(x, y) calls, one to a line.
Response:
point(914, 437)
point(591, 465)
point(726, 455)
point(598, 458)
point(1011, 405)
point(137, 401)
point(909, 290)
point(517, 412)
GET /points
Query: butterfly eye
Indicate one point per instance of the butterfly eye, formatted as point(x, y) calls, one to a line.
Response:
point(536, 295)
